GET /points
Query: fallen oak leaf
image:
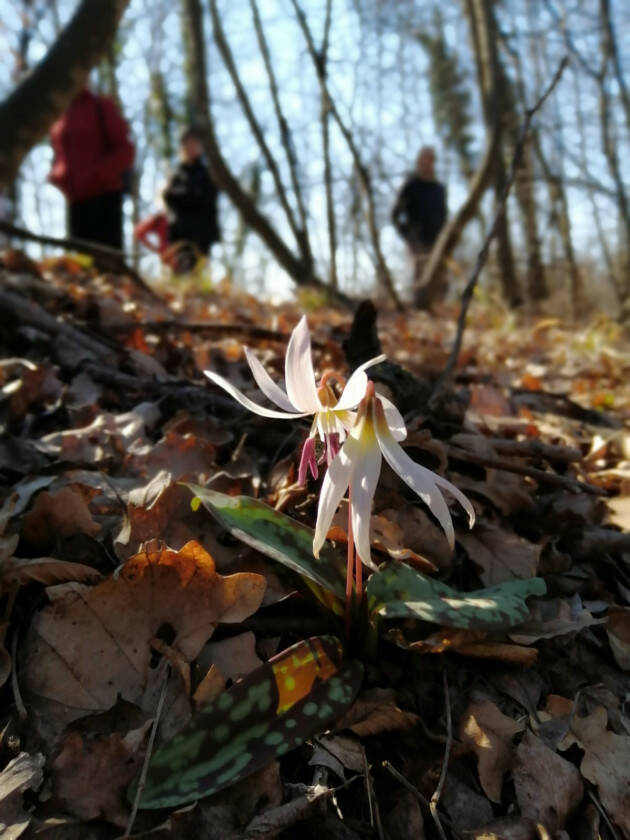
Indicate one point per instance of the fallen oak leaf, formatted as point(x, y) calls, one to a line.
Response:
point(487, 732)
point(548, 787)
point(91, 645)
point(23, 773)
point(376, 711)
point(606, 763)
point(60, 514)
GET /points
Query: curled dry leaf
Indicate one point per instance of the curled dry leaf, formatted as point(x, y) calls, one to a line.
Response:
point(548, 787)
point(113, 759)
point(46, 570)
point(376, 711)
point(487, 732)
point(234, 657)
point(606, 763)
point(618, 632)
point(91, 645)
point(62, 514)
point(500, 554)
point(23, 773)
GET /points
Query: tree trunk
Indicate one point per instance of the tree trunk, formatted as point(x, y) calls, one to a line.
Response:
point(301, 274)
point(484, 38)
point(42, 96)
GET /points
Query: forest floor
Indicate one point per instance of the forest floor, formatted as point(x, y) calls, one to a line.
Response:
point(124, 607)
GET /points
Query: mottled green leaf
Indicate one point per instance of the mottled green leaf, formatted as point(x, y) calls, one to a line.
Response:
point(297, 694)
point(281, 538)
point(399, 591)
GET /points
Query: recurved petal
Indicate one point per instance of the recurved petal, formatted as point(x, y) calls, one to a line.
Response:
point(250, 404)
point(298, 372)
point(266, 383)
point(364, 481)
point(421, 480)
point(333, 490)
point(457, 494)
point(393, 418)
point(354, 391)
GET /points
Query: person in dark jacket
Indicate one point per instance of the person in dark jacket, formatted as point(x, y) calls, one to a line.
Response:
point(92, 152)
point(191, 198)
point(419, 215)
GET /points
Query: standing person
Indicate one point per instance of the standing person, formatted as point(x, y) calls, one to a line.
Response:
point(92, 153)
point(419, 215)
point(191, 198)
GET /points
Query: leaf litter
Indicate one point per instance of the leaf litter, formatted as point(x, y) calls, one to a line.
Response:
point(115, 591)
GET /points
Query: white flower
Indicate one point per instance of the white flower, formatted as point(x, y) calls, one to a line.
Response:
point(358, 466)
point(332, 417)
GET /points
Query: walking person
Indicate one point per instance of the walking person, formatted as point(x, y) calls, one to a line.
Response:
point(419, 215)
point(92, 155)
point(191, 201)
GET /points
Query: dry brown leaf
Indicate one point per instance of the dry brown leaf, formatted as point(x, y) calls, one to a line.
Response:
point(606, 763)
point(209, 688)
point(420, 534)
point(548, 787)
point(487, 732)
point(62, 514)
point(404, 821)
point(376, 711)
point(234, 657)
point(112, 760)
point(91, 645)
point(46, 570)
point(618, 632)
point(23, 773)
point(555, 617)
point(466, 809)
point(507, 828)
point(499, 554)
point(338, 753)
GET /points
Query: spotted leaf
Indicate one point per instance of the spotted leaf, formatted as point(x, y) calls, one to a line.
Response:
point(281, 538)
point(399, 591)
point(295, 695)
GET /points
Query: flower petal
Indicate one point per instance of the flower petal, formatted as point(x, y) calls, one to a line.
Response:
point(354, 391)
point(266, 383)
point(333, 490)
point(422, 481)
point(457, 494)
point(393, 418)
point(298, 370)
point(364, 483)
point(249, 404)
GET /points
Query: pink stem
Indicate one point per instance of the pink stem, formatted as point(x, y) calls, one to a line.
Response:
point(350, 568)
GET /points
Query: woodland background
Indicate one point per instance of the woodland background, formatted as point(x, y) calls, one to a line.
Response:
point(315, 111)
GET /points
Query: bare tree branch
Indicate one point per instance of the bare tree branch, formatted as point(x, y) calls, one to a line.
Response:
point(447, 374)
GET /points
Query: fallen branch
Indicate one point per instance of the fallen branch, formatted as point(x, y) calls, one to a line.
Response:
point(447, 375)
point(109, 259)
point(544, 477)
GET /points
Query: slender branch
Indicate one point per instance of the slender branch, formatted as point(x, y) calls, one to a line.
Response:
point(283, 124)
point(220, 40)
point(325, 112)
point(447, 375)
point(362, 171)
point(109, 258)
point(435, 799)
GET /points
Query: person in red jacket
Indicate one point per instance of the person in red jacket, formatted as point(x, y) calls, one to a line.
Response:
point(92, 153)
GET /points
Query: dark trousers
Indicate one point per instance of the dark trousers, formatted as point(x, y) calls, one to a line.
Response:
point(97, 219)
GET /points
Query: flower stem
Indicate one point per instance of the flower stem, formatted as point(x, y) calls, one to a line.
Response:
point(350, 568)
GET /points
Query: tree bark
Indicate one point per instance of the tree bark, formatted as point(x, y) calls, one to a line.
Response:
point(43, 95)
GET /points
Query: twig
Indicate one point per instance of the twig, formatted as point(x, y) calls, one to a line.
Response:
point(435, 799)
point(15, 686)
point(412, 789)
point(570, 484)
point(110, 258)
point(375, 814)
point(536, 449)
point(445, 379)
point(603, 813)
point(147, 758)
